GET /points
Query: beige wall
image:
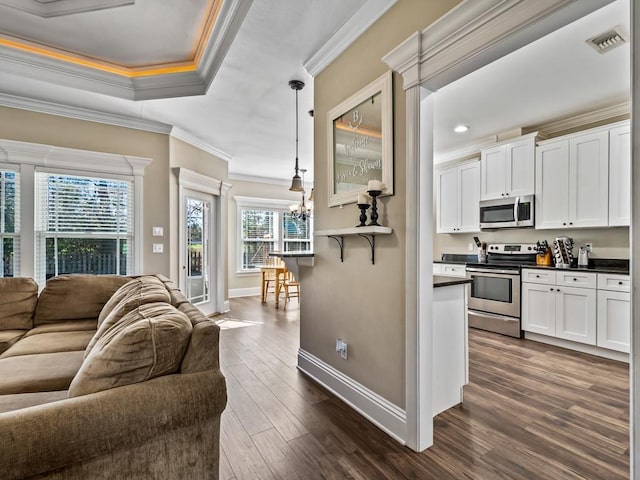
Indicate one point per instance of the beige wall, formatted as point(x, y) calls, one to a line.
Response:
point(354, 300)
point(249, 189)
point(25, 126)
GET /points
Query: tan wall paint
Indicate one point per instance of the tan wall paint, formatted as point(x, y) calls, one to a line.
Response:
point(257, 190)
point(25, 126)
point(184, 155)
point(360, 302)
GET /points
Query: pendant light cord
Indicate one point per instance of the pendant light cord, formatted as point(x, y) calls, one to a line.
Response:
point(296, 132)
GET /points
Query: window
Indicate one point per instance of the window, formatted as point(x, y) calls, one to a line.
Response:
point(266, 226)
point(9, 223)
point(83, 225)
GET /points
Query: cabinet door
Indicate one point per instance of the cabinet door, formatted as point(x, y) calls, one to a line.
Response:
point(469, 197)
point(538, 309)
point(552, 180)
point(620, 175)
point(576, 314)
point(492, 173)
point(520, 167)
point(614, 320)
point(448, 200)
point(589, 180)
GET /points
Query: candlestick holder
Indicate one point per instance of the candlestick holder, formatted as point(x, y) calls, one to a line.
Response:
point(374, 207)
point(363, 214)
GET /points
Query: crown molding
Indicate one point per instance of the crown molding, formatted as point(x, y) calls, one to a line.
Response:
point(577, 121)
point(41, 106)
point(63, 7)
point(194, 141)
point(196, 82)
point(473, 34)
point(261, 202)
point(285, 182)
point(355, 26)
point(465, 151)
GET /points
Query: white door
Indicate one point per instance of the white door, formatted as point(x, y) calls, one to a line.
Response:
point(576, 314)
point(448, 201)
point(520, 167)
point(470, 197)
point(492, 173)
point(620, 175)
point(538, 308)
point(614, 320)
point(589, 180)
point(552, 183)
point(197, 249)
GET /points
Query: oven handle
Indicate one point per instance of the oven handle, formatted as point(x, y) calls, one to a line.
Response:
point(516, 211)
point(511, 273)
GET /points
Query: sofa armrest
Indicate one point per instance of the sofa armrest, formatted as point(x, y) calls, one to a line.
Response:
point(57, 435)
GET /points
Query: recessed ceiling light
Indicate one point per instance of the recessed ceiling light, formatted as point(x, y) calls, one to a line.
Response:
point(461, 128)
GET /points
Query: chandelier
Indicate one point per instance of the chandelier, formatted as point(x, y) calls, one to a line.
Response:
point(302, 210)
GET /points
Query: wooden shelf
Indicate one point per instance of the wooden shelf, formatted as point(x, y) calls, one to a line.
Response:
point(368, 232)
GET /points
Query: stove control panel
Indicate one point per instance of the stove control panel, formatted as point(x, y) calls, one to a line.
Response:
point(512, 248)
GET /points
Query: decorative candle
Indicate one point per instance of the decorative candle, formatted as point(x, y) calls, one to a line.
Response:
point(375, 185)
point(363, 199)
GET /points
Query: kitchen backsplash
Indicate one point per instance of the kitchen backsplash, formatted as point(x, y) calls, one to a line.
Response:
point(609, 242)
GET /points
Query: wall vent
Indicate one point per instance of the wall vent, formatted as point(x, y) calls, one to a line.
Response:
point(608, 40)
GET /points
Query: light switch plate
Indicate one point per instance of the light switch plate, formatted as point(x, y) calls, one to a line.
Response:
point(158, 231)
point(158, 247)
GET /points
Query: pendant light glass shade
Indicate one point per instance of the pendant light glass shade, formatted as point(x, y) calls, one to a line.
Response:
point(296, 184)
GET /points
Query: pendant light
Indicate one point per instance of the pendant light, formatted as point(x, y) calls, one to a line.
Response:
point(296, 181)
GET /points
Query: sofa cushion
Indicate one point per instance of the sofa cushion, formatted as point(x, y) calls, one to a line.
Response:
point(9, 337)
point(147, 342)
point(38, 373)
point(75, 297)
point(17, 303)
point(64, 326)
point(50, 343)
point(137, 292)
point(9, 403)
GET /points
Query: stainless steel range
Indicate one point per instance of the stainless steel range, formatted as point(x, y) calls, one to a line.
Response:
point(494, 296)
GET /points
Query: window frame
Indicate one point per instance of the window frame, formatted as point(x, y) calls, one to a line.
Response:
point(278, 206)
point(28, 158)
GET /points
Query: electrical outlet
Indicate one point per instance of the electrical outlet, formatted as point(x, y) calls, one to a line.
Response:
point(470, 247)
point(158, 247)
point(341, 348)
point(588, 246)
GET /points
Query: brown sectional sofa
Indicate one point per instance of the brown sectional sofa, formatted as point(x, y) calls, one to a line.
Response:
point(107, 377)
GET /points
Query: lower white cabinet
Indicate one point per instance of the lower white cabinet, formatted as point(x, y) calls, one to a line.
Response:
point(559, 311)
point(614, 312)
point(553, 306)
point(450, 269)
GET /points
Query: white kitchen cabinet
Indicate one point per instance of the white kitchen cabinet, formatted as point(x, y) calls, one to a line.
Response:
point(538, 309)
point(572, 181)
point(620, 175)
point(550, 307)
point(507, 170)
point(457, 197)
point(614, 312)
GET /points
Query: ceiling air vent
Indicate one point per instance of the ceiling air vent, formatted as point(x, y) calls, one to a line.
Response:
point(608, 40)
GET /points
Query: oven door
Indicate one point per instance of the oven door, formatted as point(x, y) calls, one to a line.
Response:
point(494, 291)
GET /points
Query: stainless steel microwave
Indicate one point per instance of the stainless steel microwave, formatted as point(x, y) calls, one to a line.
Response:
point(508, 212)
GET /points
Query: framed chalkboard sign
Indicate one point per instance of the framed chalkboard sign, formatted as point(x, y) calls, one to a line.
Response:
point(360, 142)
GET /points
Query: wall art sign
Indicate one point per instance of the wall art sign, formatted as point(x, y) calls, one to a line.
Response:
point(360, 142)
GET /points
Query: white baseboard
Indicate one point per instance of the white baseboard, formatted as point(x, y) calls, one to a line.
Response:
point(226, 306)
point(378, 410)
point(580, 347)
point(244, 292)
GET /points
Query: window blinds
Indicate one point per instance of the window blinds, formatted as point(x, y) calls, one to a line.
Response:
point(9, 223)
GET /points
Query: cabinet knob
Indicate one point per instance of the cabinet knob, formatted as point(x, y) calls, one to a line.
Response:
point(551, 289)
point(557, 290)
point(619, 283)
point(570, 223)
point(575, 279)
point(537, 276)
point(564, 223)
point(502, 194)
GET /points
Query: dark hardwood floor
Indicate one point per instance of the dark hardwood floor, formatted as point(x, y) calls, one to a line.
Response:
point(531, 411)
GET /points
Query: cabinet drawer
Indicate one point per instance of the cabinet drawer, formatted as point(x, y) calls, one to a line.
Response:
point(616, 283)
point(576, 279)
point(547, 277)
point(452, 270)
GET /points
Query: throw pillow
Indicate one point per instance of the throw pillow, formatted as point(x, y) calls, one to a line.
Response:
point(147, 342)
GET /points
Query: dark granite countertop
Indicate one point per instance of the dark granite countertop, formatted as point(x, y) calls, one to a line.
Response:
point(591, 269)
point(442, 281)
point(291, 254)
point(457, 258)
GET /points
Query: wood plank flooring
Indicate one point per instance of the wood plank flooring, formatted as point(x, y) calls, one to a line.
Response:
point(531, 411)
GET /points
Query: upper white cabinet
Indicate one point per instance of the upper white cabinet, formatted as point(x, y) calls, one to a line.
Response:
point(457, 197)
point(507, 170)
point(620, 175)
point(572, 181)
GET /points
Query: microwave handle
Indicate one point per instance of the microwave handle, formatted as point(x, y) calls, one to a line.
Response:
point(516, 210)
